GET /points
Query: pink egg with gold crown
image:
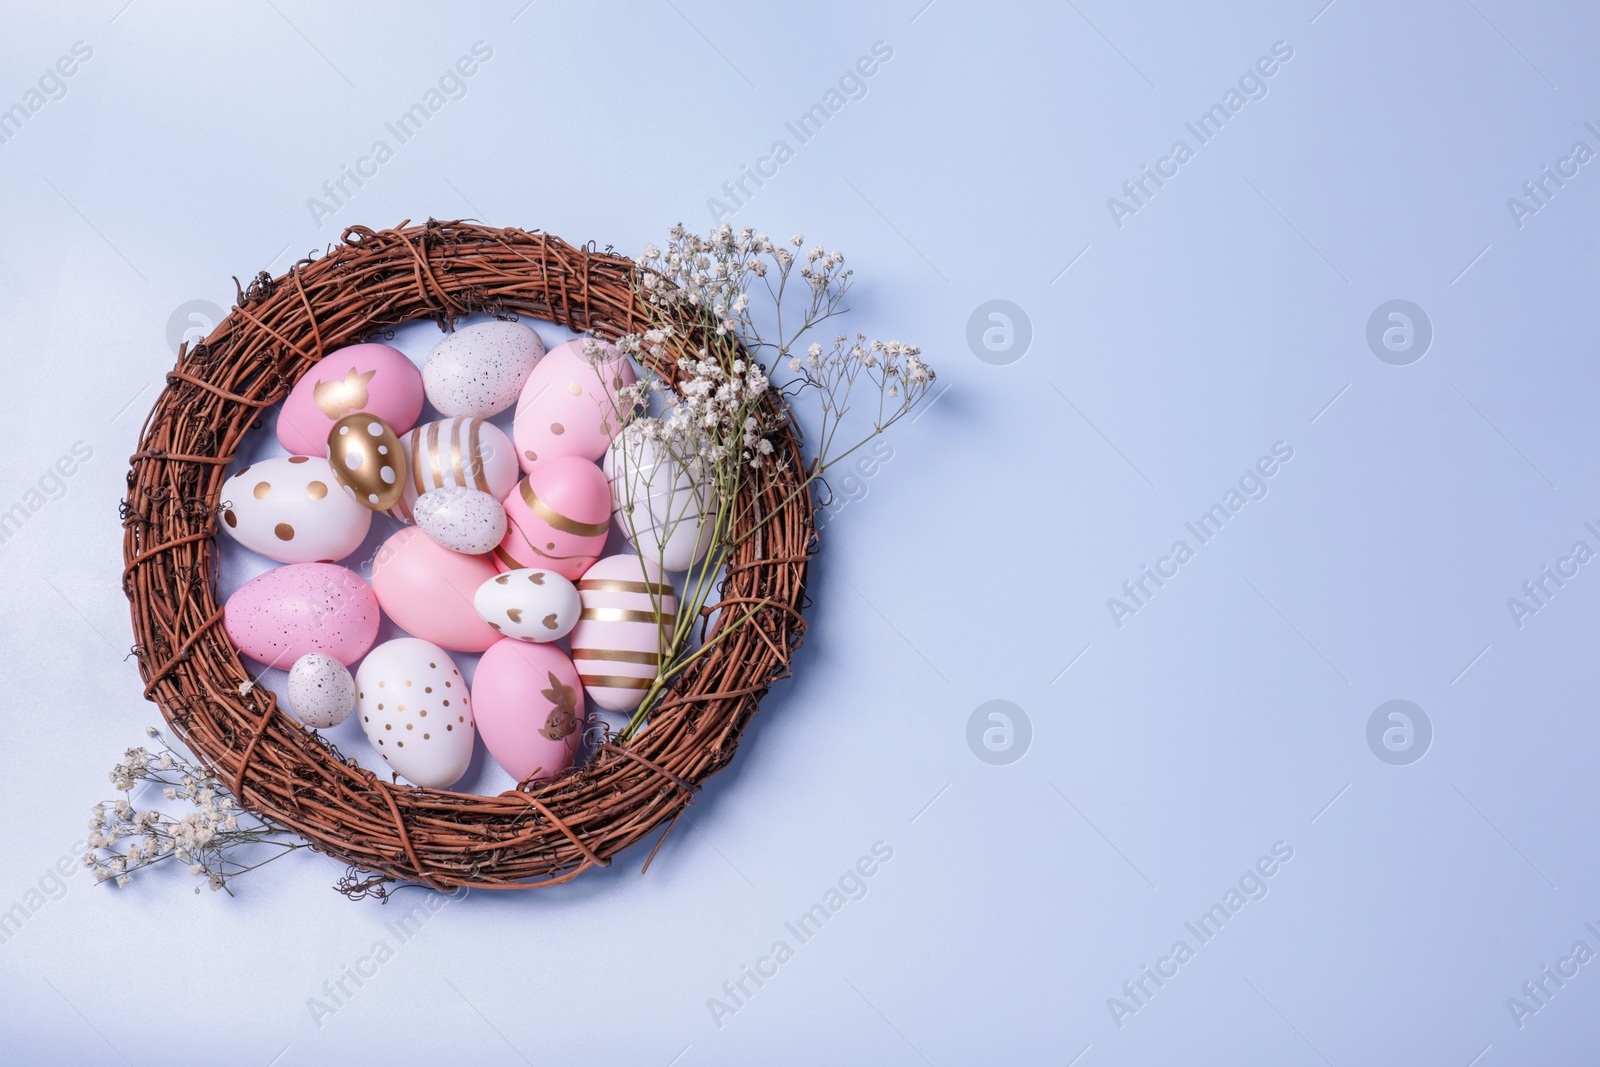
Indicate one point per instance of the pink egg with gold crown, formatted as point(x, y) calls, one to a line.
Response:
point(557, 519)
point(373, 378)
point(568, 405)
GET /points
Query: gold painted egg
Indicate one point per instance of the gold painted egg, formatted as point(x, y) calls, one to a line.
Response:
point(367, 459)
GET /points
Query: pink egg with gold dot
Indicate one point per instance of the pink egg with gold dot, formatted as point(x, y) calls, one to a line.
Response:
point(557, 519)
point(569, 405)
point(373, 378)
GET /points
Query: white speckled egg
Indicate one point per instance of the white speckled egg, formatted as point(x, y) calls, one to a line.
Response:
point(291, 509)
point(529, 604)
point(321, 691)
point(416, 711)
point(461, 519)
point(479, 370)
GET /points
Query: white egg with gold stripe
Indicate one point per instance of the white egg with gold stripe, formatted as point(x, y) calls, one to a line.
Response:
point(629, 611)
point(464, 452)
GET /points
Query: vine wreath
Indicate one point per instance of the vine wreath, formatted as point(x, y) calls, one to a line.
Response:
point(540, 834)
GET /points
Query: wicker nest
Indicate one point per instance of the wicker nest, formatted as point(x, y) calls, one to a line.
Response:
point(544, 833)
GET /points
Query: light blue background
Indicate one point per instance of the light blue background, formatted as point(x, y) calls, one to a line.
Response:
point(1229, 714)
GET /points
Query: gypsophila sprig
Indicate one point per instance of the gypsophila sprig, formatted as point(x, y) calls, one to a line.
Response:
point(205, 835)
point(706, 429)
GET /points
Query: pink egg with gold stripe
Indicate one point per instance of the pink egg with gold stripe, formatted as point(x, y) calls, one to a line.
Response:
point(557, 519)
point(465, 452)
point(629, 612)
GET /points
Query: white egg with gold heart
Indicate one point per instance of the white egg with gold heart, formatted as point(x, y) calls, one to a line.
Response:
point(529, 604)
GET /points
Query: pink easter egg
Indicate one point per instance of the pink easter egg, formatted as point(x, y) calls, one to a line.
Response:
point(557, 518)
point(629, 612)
point(369, 377)
point(529, 705)
point(427, 590)
point(277, 617)
point(568, 406)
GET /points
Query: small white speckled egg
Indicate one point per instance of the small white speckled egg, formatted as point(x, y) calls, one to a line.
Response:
point(529, 604)
point(479, 370)
point(461, 519)
point(321, 691)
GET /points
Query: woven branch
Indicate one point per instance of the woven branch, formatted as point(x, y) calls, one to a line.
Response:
point(545, 833)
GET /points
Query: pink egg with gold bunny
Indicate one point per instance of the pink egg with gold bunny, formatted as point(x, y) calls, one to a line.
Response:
point(569, 405)
point(557, 518)
point(529, 704)
point(370, 377)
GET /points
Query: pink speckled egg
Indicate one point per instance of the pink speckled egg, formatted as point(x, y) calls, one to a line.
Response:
point(427, 590)
point(558, 518)
point(568, 406)
point(277, 617)
point(529, 704)
point(373, 378)
point(629, 611)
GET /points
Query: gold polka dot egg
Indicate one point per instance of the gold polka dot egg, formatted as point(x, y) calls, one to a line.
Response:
point(416, 711)
point(367, 458)
point(290, 509)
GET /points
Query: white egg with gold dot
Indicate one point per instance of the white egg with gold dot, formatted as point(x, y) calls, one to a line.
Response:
point(292, 509)
point(415, 709)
